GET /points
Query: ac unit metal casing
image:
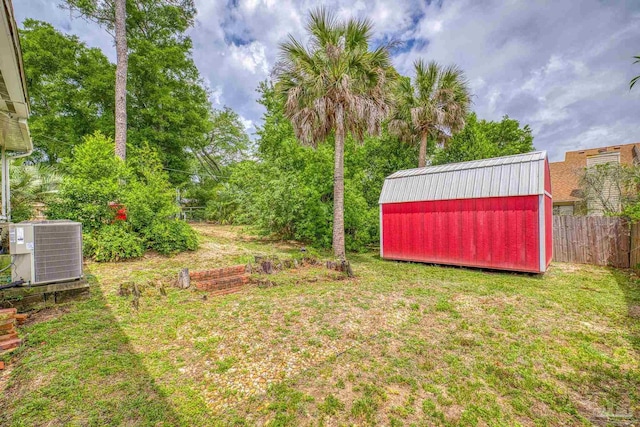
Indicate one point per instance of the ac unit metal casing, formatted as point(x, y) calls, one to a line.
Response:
point(46, 251)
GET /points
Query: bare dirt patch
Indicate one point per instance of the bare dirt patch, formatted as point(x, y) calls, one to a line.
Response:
point(46, 314)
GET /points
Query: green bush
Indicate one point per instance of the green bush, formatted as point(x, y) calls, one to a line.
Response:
point(93, 177)
point(169, 237)
point(113, 242)
point(148, 197)
point(96, 177)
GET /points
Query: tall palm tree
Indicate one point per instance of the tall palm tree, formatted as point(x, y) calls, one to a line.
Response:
point(434, 105)
point(335, 84)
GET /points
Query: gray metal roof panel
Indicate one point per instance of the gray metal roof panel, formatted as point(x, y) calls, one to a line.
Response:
point(517, 175)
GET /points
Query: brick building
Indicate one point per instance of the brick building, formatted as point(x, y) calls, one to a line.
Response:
point(565, 176)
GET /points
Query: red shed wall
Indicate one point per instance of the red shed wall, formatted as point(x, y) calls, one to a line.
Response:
point(495, 232)
point(548, 228)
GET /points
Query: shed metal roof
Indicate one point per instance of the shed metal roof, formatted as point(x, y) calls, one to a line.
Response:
point(517, 175)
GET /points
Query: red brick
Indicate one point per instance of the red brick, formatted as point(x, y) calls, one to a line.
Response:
point(6, 345)
point(7, 324)
point(8, 336)
point(7, 313)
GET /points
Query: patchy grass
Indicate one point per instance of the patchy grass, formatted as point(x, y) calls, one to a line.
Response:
point(400, 344)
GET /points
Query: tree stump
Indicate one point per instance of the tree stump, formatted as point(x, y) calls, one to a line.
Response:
point(341, 265)
point(184, 281)
point(267, 267)
point(345, 267)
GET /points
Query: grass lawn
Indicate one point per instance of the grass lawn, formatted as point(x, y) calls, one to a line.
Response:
point(400, 344)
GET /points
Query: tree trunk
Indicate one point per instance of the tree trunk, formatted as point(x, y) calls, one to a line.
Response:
point(422, 155)
point(121, 78)
point(338, 187)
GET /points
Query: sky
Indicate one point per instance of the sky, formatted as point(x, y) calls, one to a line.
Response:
point(563, 67)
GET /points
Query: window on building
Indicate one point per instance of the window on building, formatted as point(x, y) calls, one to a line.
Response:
point(560, 210)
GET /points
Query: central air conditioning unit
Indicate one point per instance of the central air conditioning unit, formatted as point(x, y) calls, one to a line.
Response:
point(46, 251)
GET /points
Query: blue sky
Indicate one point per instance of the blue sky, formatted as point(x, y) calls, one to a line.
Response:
point(563, 67)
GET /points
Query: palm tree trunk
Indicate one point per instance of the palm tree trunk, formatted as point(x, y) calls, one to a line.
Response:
point(422, 155)
point(121, 78)
point(338, 187)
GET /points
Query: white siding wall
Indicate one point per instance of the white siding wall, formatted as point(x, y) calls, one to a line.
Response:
point(610, 190)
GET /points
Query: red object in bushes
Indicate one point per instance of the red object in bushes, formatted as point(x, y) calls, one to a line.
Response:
point(120, 211)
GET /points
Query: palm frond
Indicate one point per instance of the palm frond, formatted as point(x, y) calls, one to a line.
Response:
point(435, 103)
point(337, 73)
point(636, 78)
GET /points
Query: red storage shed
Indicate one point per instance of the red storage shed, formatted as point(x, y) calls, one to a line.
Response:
point(493, 213)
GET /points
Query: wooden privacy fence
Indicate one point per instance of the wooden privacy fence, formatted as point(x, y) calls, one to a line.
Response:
point(634, 257)
point(596, 240)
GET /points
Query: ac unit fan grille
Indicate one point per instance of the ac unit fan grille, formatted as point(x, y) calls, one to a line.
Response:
point(57, 252)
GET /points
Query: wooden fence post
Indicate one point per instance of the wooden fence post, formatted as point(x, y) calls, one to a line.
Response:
point(634, 247)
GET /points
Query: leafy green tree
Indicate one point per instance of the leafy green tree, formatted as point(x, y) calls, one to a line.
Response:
point(481, 139)
point(508, 136)
point(71, 90)
point(335, 86)
point(113, 15)
point(167, 105)
point(226, 143)
point(433, 106)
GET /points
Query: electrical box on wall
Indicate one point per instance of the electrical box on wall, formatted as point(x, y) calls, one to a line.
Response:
point(46, 251)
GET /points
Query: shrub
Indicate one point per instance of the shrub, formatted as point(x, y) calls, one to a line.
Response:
point(30, 184)
point(113, 242)
point(148, 196)
point(169, 237)
point(93, 178)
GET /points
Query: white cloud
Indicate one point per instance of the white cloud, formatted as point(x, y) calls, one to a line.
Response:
point(215, 95)
point(251, 57)
point(248, 124)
